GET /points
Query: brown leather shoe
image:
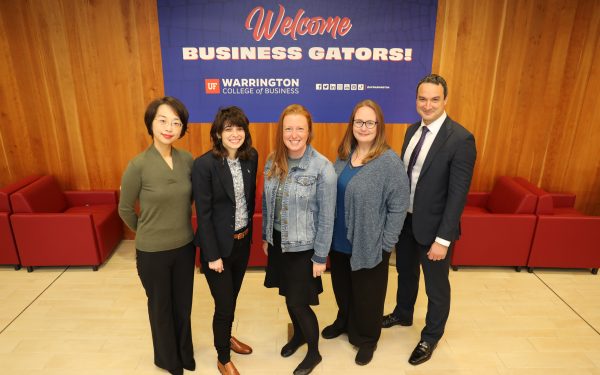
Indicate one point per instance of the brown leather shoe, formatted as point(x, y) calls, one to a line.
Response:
point(227, 369)
point(239, 347)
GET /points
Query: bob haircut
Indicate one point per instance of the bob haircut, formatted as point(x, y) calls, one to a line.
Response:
point(279, 164)
point(230, 116)
point(172, 102)
point(349, 143)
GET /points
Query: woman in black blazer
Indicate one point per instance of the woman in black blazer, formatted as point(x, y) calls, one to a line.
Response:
point(224, 187)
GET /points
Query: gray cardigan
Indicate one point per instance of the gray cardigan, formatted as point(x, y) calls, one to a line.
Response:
point(376, 200)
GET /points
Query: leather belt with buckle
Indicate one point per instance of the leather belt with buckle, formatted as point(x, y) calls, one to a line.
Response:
point(241, 235)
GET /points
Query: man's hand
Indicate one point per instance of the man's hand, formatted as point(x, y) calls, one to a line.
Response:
point(437, 252)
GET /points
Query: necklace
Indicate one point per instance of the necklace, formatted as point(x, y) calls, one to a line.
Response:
point(357, 159)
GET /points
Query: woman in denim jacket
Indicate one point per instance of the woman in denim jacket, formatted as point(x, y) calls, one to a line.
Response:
point(298, 210)
point(372, 199)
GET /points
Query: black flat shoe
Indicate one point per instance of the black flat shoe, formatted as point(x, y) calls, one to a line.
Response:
point(291, 347)
point(364, 355)
point(422, 353)
point(305, 369)
point(391, 320)
point(331, 332)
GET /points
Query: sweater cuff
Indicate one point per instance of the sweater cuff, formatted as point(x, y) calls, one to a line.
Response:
point(317, 259)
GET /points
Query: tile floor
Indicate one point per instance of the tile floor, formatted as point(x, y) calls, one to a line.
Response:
point(75, 321)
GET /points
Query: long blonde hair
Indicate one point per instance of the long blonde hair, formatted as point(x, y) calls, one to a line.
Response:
point(279, 164)
point(349, 143)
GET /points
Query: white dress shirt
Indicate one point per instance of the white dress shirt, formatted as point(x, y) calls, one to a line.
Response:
point(434, 129)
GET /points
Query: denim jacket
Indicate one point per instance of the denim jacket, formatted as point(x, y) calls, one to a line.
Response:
point(307, 207)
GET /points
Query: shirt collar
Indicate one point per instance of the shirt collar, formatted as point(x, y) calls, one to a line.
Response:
point(435, 126)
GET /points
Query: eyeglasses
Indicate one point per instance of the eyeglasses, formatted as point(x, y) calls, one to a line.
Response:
point(162, 122)
point(369, 124)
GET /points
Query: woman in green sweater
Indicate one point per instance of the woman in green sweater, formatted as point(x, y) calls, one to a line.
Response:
point(160, 179)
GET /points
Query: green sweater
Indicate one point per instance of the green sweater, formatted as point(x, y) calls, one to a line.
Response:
point(165, 197)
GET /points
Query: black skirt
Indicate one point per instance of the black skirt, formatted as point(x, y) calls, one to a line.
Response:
point(292, 274)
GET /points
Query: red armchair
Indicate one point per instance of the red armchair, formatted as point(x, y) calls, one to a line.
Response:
point(8, 249)
point(497, 227)
point(71, 228)
point(564, 237)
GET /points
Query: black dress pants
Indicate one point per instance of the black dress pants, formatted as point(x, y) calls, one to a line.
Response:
point(360, 296)
point(168, 278)
point(225, 287)
point(409, 255)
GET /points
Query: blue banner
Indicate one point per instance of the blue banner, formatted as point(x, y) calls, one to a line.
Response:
point(325, 55)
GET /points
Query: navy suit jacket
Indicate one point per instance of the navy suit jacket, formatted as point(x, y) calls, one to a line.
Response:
point(214, 196)
point(443, 184)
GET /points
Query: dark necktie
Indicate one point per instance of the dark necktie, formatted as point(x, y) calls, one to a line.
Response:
point(415, 153)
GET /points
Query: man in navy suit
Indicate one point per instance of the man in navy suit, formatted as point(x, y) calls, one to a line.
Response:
point(439, 155)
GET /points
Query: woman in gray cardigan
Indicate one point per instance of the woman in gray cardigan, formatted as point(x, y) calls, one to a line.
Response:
point(372, 199)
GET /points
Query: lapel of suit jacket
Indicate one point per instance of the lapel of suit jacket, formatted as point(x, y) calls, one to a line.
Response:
point(226, 177)
point(438, 143)
point(408, 136)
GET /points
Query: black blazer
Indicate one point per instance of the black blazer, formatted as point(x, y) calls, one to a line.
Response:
point(214, 196)
point(443, 184)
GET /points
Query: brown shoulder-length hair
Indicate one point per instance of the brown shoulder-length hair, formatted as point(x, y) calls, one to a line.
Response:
point(279, 164)
point(349, 143)
point(233, 116)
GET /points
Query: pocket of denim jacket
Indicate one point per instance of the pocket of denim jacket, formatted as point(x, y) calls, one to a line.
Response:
point(305, 184)
point(306, 180)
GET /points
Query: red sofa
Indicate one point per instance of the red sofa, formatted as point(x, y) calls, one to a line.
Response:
point(8, 249)
point(496, 227)
point(71, 228)
point(564, 237)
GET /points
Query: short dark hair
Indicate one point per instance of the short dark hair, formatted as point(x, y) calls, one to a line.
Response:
point(436, 80)
point(233, 116)
point(172, 102)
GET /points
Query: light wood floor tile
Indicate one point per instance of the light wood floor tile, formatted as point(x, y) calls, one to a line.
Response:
point(466, 344)
point(421, 371)
point(594, 356)
point(502, 322)
point(566, 344)
point(13, 362)
point(550, 371)
point(573, 360)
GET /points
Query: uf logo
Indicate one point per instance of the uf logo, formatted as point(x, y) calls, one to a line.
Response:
point(212, 86)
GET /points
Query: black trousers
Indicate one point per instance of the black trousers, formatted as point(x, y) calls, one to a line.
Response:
point(360, 296)
point(168, 278)
point(409, 255)
point(225, 287)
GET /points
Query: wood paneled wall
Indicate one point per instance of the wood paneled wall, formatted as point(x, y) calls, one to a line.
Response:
point(76, 75)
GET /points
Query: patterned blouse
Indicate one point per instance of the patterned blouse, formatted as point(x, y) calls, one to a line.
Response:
point(241, 210)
